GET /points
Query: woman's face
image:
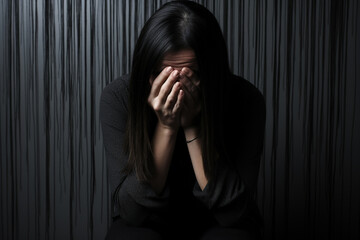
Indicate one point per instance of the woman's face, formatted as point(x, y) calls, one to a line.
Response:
point(185, 62)
point(180, 59)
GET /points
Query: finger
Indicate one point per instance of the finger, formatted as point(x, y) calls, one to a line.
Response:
point(188, 73)
point(189, 86)
point(186, 84)
point(179, 103)
point(168, 85)
point(159, 81)
point(172, 97)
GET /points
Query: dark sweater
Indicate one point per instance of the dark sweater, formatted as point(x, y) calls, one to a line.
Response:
point(227, 200)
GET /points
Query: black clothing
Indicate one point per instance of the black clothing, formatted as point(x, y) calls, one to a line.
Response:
point(227, 200)
point(120, 231)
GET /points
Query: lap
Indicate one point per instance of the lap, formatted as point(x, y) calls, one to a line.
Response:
point(121, 231)
point(218, 233)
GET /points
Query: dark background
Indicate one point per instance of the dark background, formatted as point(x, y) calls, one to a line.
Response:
point(57, 56)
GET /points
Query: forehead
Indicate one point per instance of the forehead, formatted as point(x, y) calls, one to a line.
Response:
point(179, 59)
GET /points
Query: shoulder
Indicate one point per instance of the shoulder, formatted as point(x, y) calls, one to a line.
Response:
point(245, 117)
point(114, 101)
point(243, 93)
point(244, 87)
point(117, 90)
point(245, 108)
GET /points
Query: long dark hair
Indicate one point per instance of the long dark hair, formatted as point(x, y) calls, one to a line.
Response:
point(175, 26)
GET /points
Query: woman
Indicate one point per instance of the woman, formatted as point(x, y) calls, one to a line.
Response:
point(183, 136)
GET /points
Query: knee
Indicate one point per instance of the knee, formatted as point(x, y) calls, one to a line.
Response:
point(120, 231)
point(228, 234)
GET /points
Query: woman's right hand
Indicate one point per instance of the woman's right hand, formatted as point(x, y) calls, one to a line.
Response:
point(166, 98)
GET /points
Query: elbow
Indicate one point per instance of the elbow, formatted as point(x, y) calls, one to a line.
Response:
point(244, 215)
point(136, 201)
point(130, 211)
point(132, 214)
point(133, 220)
point(226, 219)
point(230, 215)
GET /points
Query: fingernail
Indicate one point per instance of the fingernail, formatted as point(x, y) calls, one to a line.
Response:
point(169, 69)
point(175, 73)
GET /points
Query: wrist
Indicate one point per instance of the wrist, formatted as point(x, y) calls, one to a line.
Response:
point(191, 133)
point(166, 130)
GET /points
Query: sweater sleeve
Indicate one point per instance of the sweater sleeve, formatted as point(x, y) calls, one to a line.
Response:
point(230, 194)
point(132, 200)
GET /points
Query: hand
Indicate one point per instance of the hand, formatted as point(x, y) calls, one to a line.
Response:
point(192, 97)
point(166, 98)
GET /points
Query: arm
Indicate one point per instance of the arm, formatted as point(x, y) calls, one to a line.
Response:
point(195, 152)
point(230, 194)
point(166, 100)
point(163, 145)
point(191, 110)
point(131, 200)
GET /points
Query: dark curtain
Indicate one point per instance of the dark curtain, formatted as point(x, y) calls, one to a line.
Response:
point(57, 56)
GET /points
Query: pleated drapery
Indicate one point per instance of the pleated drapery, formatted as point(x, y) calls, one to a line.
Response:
point(56, 57)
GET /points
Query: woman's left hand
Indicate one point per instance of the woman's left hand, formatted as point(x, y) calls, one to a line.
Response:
point(192, 97)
